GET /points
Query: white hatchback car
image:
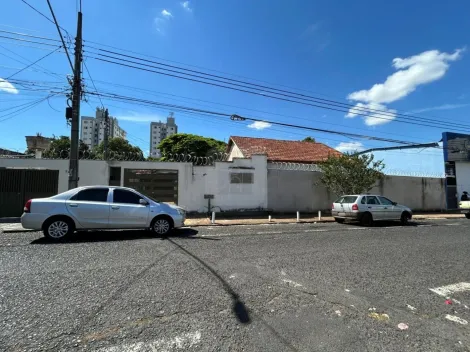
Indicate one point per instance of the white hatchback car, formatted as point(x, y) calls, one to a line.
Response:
point(99, 207)
point(368, 208)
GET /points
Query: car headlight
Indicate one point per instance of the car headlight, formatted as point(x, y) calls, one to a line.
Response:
point(181, 211)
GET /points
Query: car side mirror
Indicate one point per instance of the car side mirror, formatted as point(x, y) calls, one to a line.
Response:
point(394, 203)
point(143, 202)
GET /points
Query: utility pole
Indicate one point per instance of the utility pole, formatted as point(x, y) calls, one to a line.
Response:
point(106, 134)
point(75, 118)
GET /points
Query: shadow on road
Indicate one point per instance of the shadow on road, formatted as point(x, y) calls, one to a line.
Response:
point(379, 224)
point(119, 235)
point(239, 308)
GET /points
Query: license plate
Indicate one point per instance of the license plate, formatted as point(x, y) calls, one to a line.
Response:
point(341, 214)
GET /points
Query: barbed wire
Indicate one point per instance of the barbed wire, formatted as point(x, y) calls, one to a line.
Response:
point(196, 160)
point(293, 166)
point(398, 172)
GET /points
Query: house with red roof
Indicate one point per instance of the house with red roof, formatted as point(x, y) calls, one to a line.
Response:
point(279, 150)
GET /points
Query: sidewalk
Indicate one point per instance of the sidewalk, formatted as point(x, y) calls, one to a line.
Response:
point(10, 227)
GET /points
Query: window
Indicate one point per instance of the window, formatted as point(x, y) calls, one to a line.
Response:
point(92, 195)
point(363, 200)
point(241, 177)
point(385, 201)
point(127, 197)
point(372, 200)
point(346, 199)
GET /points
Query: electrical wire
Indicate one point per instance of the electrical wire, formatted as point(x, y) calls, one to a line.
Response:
point(89, 75)
point(156, 93)
point(283, 93)
point(33, 63)
point(60, 35)
point(173, 106)
point(433, 124)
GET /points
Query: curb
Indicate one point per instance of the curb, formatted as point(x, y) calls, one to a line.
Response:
point(263, 223)
point(254, 224)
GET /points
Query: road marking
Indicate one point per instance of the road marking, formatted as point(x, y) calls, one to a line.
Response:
point(291, 283)
point(315, 230)
point(356, 228)
point(456, 319)
point(183, 341)
point(450, 289)
point(269, 232)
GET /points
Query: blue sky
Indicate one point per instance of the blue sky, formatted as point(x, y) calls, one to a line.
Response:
point(405, 57)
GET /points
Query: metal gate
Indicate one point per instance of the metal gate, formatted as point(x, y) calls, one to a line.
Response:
point(19, 185)
point(160, 185)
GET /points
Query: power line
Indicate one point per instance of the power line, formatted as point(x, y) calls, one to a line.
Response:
point(89, 75)
point(19, 111)
point(386, 115)
point(156, 93)
point(33, 63)
point(60, 35)
point(29, 35)
point(46, 71)
point(433, 124)
point(173, 106)
point(365, 111)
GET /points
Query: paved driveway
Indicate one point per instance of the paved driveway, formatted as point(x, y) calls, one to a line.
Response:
point(323, 287)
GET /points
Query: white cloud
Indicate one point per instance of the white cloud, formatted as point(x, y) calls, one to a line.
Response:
point(344, 147)
point(441, 107)
point(374, 114)
point(6, 86)
point(166, 13)
point(185, 5)
point(259, 125)
point(413, 71)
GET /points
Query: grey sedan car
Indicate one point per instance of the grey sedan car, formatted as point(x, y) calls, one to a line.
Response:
point(99, 207)
point(368, 208)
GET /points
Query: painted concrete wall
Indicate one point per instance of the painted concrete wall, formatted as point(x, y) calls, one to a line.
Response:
point(234, 152)
point(193, 181)
point(290, 191)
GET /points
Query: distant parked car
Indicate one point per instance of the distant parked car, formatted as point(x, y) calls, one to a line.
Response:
point(464, 206)
point(99, 207)
point(367, 208)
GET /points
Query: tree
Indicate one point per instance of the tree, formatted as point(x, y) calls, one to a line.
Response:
point(190, 144)
point(309, 139)
point(351, 174)
point(60, 149)
point(119, 149)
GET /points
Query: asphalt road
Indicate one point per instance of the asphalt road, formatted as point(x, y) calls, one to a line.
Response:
point(310, 287)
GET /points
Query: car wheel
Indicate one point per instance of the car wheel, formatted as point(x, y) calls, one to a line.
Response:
point(339, 220)
point(405, 218)
point(161, 226)
point(467, 215)
point(366, 219)
point(58, 229)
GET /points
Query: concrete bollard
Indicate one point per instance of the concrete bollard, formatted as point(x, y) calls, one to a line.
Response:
point(298, 216)
point(213, 217)
point(319, 215)
point(269, 218)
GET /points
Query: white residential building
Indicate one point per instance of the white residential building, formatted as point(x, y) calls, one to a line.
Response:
point(92, 129)
point(159, 131)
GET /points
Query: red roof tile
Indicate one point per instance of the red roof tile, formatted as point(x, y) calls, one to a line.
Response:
point(281, 150)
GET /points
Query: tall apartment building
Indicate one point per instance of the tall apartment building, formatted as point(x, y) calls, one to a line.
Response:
point(159, 131)
point(92, 129)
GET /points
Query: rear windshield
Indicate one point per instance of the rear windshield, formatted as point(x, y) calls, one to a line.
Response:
point(346, 199)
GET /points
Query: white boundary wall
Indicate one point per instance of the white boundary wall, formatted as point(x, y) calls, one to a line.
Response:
point(193, 181)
